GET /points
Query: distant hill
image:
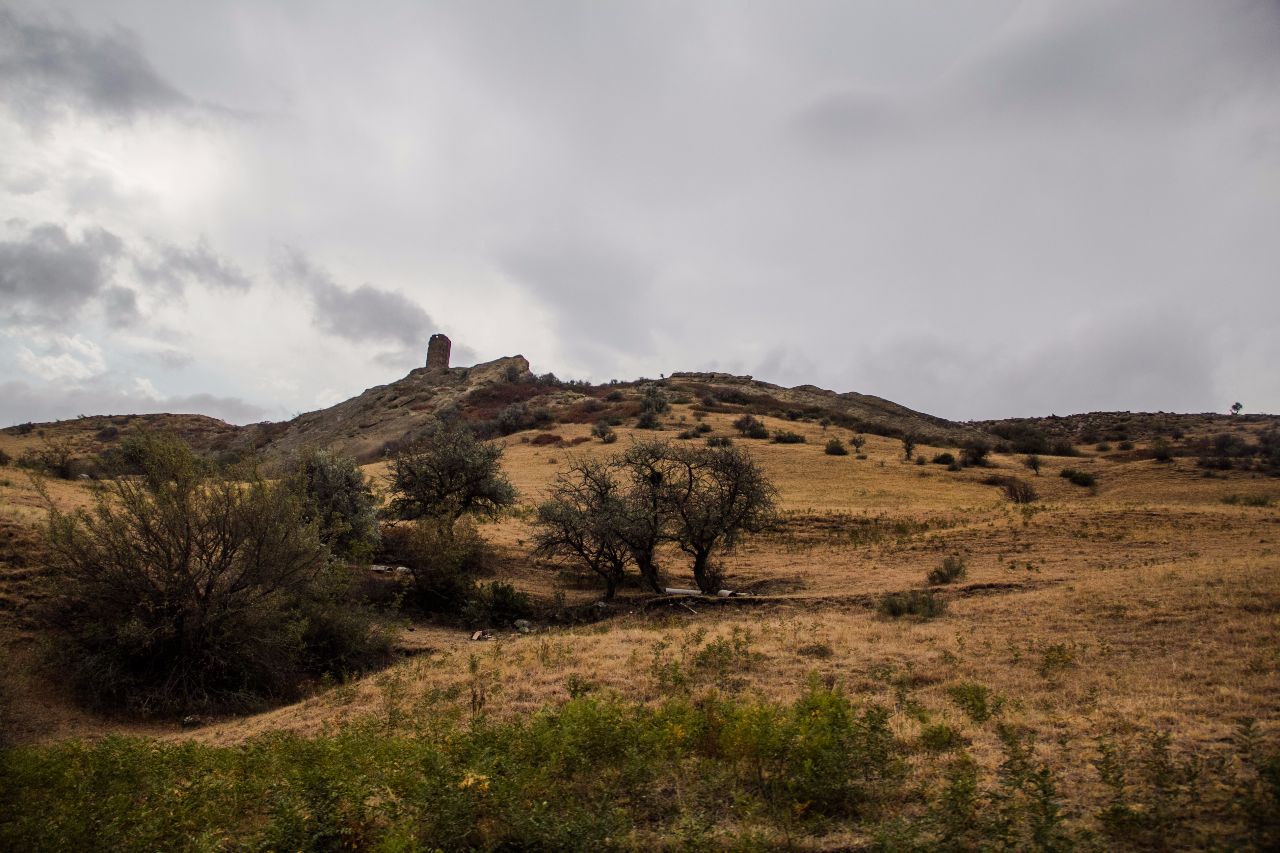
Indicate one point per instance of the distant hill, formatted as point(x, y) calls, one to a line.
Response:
point(504, 396)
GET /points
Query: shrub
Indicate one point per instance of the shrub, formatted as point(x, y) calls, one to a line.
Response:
point(975, 700)
point(444, 557)
point(758, 431)
point(746, 423)
point(1161, 450)
point(544, 439)
point(835, 447)
point(908, 446)
point(1079, 478)
point(1124, 445)
point(940, 737)
point(5, 459)
point(652, 399)
point(337, 497)
point(783, 436)
point(614, 396)
point(1064, 447)
point(447, 474)
point(496, 603)
point(953, 568)
point(858, 442)
point(1018, 491)
point(974, 453)
point(686, 434)
point(944, 459)
point(703, 429)
point(185, 590)
point(719, 441)
point(1032, 463)
point(914, 602)
point(647, 420)
point(604, 432)
point(1103, 447)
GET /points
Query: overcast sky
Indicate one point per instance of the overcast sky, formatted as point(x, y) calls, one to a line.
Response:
point(977, 209)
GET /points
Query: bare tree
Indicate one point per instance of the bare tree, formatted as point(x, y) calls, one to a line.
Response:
point(643, 523)
point(582, 519)
point(908, 446)
point(715, 495)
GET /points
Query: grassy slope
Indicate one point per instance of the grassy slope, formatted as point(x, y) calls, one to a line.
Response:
point(1150, 605)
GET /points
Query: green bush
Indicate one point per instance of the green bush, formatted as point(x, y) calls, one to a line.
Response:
point(940, 737)
point(1078, 478)
point(915, 602)
point(337, 497)
point(184, 590)
point(648, 420)
point(975, 700)
point(953, 568)
point(835, 447)
point(496, 603)
point(944, 459)
point(783, 436)
point(603, 431)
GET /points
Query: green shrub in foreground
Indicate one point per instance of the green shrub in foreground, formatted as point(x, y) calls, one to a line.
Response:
point(604, 774)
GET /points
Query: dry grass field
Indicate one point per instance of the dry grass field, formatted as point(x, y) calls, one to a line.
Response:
point(1148, 604)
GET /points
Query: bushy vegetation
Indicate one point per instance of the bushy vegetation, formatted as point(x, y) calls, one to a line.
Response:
point(785, 436)
point(750, 426)
point(1079, 478)
point(944, 458)
point(835, 447)
point(336, 496)
point(1017, 491)
point(953, 568)
point(183, 589)
point(916, 602)
point(1226, 451)
point(598, 773)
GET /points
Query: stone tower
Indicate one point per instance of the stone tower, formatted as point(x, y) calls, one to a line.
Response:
point(438, 352)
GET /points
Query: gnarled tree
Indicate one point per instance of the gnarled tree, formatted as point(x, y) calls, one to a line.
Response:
point(582, 519)
point(714, 495)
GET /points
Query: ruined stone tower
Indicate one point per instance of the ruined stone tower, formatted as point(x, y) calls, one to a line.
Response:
point(438, 352)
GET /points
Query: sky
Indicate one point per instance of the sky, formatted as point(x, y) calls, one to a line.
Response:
point(975, 208)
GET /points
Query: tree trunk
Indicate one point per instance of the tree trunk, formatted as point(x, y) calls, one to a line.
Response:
point(708, 582)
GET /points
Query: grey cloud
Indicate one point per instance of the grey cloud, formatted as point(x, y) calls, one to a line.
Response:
point(591, 288)
point(366, 314)
point(176, 267)
point(1139, 363)
point(47, 277)
point(51, 63)
point(21, 402)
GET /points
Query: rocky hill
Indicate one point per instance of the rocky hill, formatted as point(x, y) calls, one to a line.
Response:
point(504, 396)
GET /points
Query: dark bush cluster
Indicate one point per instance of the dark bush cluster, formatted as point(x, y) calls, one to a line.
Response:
point(1017, 491)
point(915, 602)
point(835, 447)
point(783, 436)
point(182, 589)
point(953, 568)
point(1226, 451)
point(1079, 478)
point(749, 426)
